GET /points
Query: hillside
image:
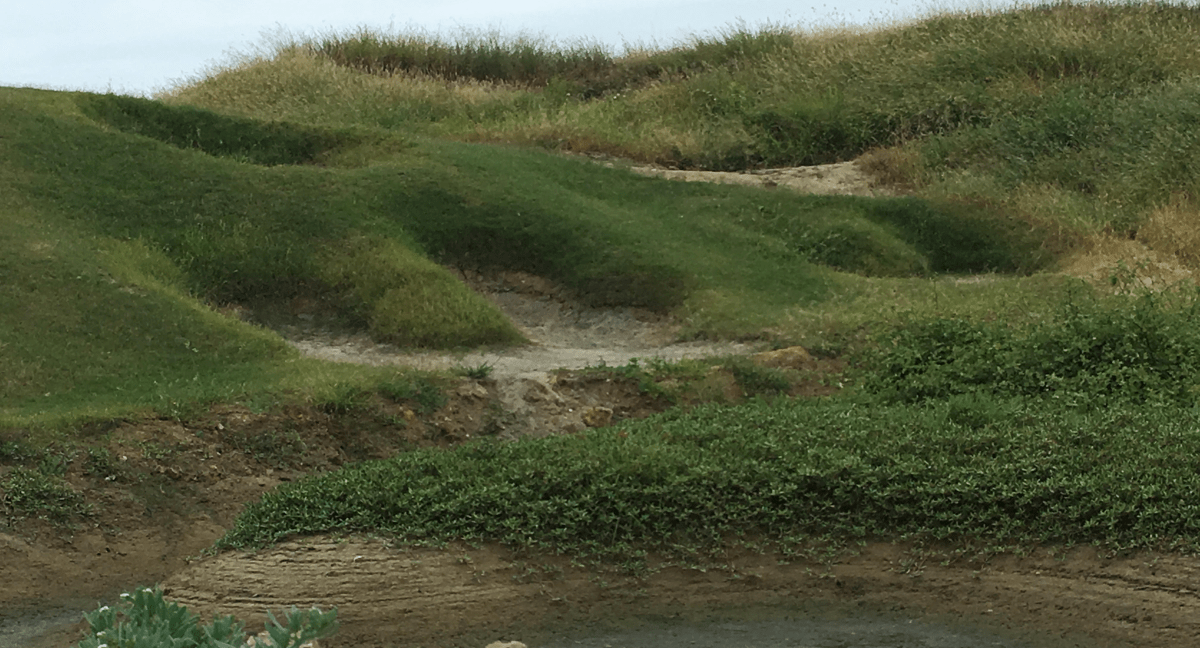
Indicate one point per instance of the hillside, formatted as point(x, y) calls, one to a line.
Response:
point(992, 350)
point(1077, 115)
point(191, 211)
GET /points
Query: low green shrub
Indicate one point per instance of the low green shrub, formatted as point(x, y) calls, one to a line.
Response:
point(1093, 352)
point(756, 380)
point(480, 371)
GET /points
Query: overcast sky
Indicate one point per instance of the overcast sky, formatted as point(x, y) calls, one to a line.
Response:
point(140, 46)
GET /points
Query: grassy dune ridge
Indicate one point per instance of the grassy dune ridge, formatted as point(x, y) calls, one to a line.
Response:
point(354, 170)
point(1076, 113)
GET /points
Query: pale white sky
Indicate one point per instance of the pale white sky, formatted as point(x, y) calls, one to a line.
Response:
point(140, 46)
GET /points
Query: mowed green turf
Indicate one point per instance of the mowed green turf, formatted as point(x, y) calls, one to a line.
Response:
point(127, 219)
point(112, 244)
point(93, 328)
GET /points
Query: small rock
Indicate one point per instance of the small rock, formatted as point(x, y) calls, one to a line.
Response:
point(506, 644)
point(472, 390)
point(538, 392)
point(598, 417)
point(263, 640)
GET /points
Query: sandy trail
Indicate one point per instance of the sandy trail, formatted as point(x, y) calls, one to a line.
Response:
point(563, 335)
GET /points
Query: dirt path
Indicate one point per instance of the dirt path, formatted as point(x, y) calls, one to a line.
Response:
point(842, 178)
point(563, 334)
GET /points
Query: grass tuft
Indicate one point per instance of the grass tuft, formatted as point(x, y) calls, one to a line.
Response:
point(41, 494)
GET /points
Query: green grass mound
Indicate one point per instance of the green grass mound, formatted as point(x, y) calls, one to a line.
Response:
point(235, 232)
point(350, 171)
point(86, 319)
point(239, 138)
point(112, 242)
point(407, 299)
point(1075, 114)
point(904, 237)
point(168, 208)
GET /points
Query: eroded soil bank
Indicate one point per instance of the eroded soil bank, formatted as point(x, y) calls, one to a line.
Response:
point(463, 596)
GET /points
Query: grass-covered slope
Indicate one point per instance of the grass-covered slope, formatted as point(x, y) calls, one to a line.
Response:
point(80, 322)
point(349, 171)
point(236, 231)
point(1079, 114)
point(113, 241)
point(122, 215)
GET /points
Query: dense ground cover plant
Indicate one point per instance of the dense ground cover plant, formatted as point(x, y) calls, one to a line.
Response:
point(988, 469)
point(144, 619)
point(40, 493)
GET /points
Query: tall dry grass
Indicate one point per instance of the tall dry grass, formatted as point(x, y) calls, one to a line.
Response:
point(1174, 228)
point(1080, 114)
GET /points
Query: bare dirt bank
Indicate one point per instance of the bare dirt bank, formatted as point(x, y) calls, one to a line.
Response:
point(462, 596)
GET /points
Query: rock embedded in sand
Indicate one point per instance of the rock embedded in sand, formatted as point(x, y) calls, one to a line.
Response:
point(598, 417)
point(263, 640)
